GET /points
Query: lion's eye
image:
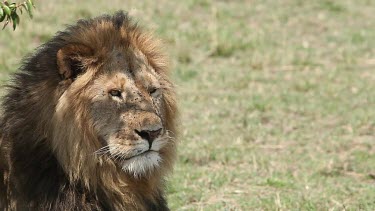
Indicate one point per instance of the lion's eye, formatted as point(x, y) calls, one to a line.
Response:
point(153, 91)
point(115, 93)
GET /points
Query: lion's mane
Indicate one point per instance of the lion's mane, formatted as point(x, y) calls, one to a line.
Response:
point(40, 170)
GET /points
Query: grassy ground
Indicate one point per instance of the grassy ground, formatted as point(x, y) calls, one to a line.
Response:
point(277, 97)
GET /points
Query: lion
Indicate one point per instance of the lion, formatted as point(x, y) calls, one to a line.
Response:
point(89, 122)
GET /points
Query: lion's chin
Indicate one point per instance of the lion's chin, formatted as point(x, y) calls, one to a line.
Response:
point(142, 164)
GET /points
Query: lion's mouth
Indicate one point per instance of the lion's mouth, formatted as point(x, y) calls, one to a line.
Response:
point(140, 154)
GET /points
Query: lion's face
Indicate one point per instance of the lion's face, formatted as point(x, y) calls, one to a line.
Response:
point(126, 110)
point(123, 99)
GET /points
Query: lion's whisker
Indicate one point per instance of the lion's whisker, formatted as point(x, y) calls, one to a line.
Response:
point(106, 150)
point(118, 152)
point(101, 152)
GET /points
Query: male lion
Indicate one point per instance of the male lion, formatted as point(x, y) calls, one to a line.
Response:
point(88, 122)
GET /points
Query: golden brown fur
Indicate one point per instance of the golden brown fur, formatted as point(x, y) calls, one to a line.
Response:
point(77, 116)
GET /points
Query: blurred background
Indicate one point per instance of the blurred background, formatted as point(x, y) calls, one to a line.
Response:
point(277, 97)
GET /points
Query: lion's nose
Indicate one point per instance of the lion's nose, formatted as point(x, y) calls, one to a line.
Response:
point(149, 135)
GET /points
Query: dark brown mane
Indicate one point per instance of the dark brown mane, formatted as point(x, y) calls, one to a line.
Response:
point(31, 175)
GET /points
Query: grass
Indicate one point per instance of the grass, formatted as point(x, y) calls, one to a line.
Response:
point(277, 97)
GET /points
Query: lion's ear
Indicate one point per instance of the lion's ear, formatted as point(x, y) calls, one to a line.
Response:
point(72, 59)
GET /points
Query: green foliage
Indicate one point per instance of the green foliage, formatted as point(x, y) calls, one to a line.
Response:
point(9, 12)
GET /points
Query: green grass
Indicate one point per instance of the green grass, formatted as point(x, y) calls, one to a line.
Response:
point(277, 98)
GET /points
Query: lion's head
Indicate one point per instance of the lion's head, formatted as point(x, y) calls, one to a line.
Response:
point(114, 99)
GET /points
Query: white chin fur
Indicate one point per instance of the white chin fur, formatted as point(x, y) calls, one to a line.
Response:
point(142, 164)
